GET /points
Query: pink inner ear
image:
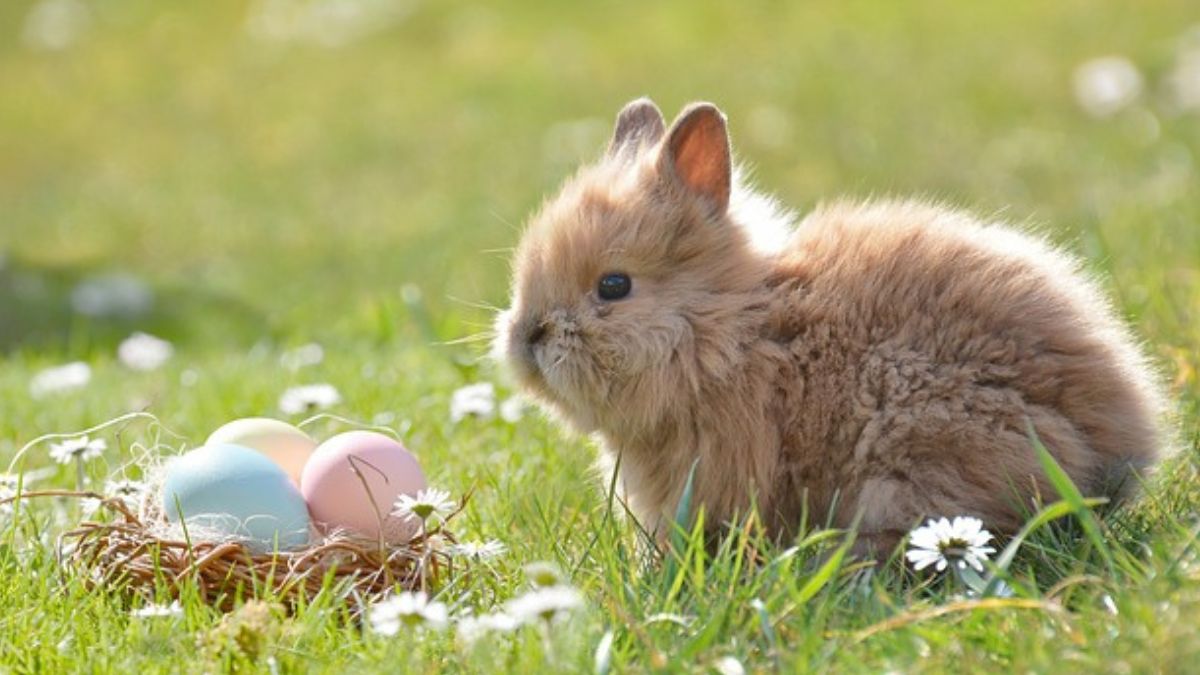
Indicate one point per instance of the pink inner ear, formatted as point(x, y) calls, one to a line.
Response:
point(701, 155)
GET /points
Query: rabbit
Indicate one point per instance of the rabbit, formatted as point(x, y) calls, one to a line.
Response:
point(874, 365)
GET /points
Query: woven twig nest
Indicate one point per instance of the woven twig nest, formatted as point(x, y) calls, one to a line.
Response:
point(130, 553)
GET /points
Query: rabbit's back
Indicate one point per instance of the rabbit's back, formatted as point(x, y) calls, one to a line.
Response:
point(923, 343)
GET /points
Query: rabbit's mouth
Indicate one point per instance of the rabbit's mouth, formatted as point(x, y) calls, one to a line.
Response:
point(522, 344)
point(545, 356)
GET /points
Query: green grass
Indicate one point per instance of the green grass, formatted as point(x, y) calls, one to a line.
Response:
point(276, 193)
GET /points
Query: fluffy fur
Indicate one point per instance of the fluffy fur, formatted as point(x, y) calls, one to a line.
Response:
point(885, 361)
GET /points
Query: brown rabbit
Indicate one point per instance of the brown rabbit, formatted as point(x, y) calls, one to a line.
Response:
point(885, 361)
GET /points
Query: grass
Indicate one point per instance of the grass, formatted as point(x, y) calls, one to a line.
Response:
point(273, 193)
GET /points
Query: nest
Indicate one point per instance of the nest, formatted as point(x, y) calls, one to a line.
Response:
point(129, 551)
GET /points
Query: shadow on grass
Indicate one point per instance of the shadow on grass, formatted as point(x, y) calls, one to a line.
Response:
point(78, 310)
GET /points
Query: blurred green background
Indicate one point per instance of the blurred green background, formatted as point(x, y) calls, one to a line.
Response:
point(281, 169)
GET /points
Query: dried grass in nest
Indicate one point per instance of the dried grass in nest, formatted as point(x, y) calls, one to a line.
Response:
point(130, 553)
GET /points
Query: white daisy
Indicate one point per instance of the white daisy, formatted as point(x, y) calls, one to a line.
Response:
point(142, 351)
point(80, 448)
point(546, 604)
point(962, 541)
point(6, 492)
point(512, 409)
point(479, 550)
point(413, 610)
point(309, 397)
point(471, 628)
point(59, 379)
point(8, 489)
point(727, 665)
point(128, 491)
point(544, 575)
point(473, 400)
point(1106, 85)
point(429, 503)
point(159, 611)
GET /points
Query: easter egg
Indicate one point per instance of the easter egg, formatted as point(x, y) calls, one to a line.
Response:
point(229, 491)
point(353, 479)
point(285, 444)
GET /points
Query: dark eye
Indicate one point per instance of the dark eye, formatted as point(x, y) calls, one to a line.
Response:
point(614, 286)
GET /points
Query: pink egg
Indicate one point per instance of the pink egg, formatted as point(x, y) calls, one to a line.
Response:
point(336, 494)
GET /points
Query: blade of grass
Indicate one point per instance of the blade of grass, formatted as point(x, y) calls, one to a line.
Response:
point(679, 527)
point(1079, 506)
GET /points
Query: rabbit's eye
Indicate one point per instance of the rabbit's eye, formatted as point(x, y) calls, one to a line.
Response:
point(614, 286)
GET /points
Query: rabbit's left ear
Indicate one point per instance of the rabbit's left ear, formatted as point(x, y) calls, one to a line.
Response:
point(697, 154)
point(638, 124)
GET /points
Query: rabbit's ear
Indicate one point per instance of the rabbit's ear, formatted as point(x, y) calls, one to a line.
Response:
point(697, 154)
point(640, 123)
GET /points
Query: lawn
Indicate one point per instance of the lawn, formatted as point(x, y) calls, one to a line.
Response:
point(244, 179)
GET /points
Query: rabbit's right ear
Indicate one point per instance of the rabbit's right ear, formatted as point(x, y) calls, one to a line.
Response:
point(640, 123)
point(697, 155)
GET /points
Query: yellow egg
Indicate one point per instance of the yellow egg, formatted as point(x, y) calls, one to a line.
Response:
point(286, 445)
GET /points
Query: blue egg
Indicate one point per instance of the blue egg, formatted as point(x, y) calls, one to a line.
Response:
point(232, 491)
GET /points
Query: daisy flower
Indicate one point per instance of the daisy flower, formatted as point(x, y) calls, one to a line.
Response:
point(80, 448)
point(471, 628)
point(473, 400)
point(59, 379)
point(727, 665)
point(479, 550)
point(545, 604)
point(8, 489)
point(429, 503)
point(962, 542)
point(6, 492)
point(413, 610)
point(309, 397)
point(512, 409)
point(142, 351)
point(545, 575)
point(1106, 85)
point(128, 491)
point(158, 611)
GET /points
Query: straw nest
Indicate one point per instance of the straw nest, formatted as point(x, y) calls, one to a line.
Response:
point(131, 550)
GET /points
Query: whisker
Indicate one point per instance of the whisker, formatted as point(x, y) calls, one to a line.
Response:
point(467, 339)
point(505, 221)
point(486, 328)
point(480, 358)
point(475, 304)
